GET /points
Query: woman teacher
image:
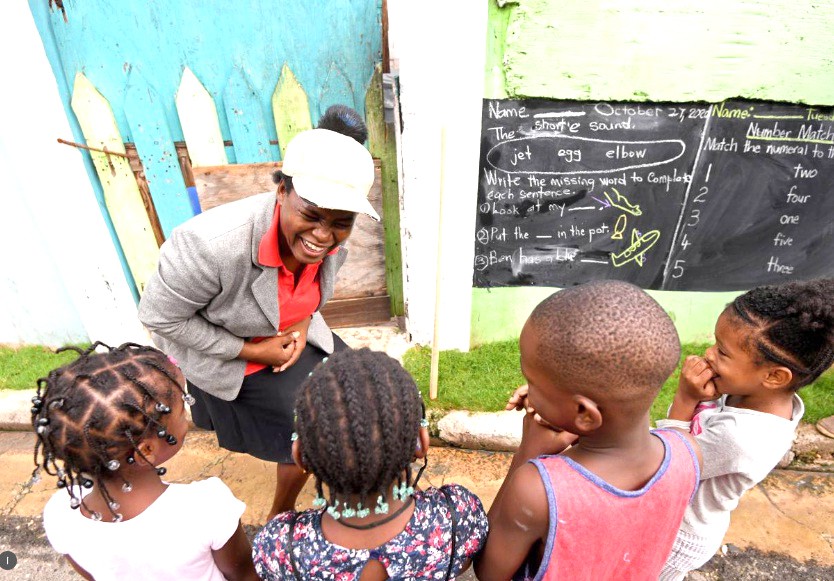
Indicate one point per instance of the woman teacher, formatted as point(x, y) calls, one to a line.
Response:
point(238, 289)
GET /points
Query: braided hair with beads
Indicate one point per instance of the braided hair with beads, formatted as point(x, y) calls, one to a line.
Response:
point(792, 325)
point(358, 417)
point(90, 414)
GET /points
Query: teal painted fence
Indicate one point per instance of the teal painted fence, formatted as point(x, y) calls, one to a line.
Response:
point(134, 53)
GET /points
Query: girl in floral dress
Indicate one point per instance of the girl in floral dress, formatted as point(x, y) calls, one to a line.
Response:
point(360, 423)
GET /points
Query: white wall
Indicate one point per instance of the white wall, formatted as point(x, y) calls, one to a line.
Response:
point(440, 52)
point(60, 278)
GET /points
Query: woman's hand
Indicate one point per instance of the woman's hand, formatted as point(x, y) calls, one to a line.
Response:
point(299, 333)
point(695, 385)
point(275, 351)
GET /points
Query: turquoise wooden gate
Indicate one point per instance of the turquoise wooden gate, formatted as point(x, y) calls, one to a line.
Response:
point(232, 80)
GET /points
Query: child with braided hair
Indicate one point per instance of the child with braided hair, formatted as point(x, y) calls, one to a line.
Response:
point(104, 424)
point(740, 402)
point(360, 423)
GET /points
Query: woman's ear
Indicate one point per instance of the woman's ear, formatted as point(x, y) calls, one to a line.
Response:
point(422, 446)
point(282, 193)
point(296, 456)
point(587, 416)
point(778, 377)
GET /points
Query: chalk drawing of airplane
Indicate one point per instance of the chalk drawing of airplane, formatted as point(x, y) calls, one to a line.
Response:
point(640, 244)
point(622, 203)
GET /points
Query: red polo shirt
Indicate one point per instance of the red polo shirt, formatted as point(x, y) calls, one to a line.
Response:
point(296, 301)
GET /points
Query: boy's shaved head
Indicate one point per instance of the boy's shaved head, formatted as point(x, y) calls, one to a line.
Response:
point(610, 339)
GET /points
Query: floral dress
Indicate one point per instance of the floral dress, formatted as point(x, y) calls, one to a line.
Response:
point(420, 551)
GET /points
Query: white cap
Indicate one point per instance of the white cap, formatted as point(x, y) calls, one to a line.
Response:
point(331, 170)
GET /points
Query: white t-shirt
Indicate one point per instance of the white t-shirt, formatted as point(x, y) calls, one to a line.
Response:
point(171, 539)
point(739, 448)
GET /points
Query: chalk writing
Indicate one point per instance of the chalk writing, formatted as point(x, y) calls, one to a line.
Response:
point(673, 196)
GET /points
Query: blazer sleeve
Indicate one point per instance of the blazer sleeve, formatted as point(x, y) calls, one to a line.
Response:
point(185, 281)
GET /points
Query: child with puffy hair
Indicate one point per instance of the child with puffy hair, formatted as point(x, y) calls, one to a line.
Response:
point(105, 423)
point(740, 402)
point(360, 423)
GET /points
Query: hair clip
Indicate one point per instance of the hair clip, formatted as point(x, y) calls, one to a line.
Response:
point(113, 465)
point(87, 483)
point(127, 487)
point(381, 506)
point(36, 476)
point(324, 360)
point(74, 503)
point(42, 430)
point(396, 492)
point(424, 423)
point(189, 399)
point(56, 403)
point(130, 459)
point(161, 471)
point(171, 439)
point(331, 510)
point(362, 512)
point(162, 433)
point(294, 437)
point(319, 502)
point(118, 518)
point(172, 360)
point(348, 512)
point(61, 483)
point(114, 506)
point(96, 516)
point(162, 408)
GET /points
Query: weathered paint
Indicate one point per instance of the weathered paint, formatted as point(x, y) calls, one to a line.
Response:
point(155, 147)
point(290, 108)
point(42, 16)
point(61, 279)
point(498, 19)
point(247, 121)
point(691, 50)
point(159, 38)
point(121, 194)
point(382, 145)
point(198, 119)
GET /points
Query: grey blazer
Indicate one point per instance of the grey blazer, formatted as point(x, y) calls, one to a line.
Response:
point(209, 293)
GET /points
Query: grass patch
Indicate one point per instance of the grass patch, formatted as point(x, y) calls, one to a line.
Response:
point(20, 368)
point(484, 378)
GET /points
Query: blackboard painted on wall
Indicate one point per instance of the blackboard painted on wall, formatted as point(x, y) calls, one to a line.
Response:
point(667, 196)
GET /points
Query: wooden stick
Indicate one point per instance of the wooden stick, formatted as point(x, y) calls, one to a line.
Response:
point(435, 351)
point(88, 148)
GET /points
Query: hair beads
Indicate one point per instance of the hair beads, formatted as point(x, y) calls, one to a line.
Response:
point(91, 436)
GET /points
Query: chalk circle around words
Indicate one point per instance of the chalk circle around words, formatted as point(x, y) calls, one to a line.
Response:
point(557, 154)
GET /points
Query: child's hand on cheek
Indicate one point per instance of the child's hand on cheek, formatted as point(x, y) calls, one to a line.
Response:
point(539, 437)
point(518, 401)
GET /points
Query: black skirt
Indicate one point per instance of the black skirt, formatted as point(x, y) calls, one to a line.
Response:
point(259, 422)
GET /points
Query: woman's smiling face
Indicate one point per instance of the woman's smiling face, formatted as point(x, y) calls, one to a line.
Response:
point(309, 232)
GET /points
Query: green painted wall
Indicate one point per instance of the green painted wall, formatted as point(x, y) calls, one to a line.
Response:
point(650, 50)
